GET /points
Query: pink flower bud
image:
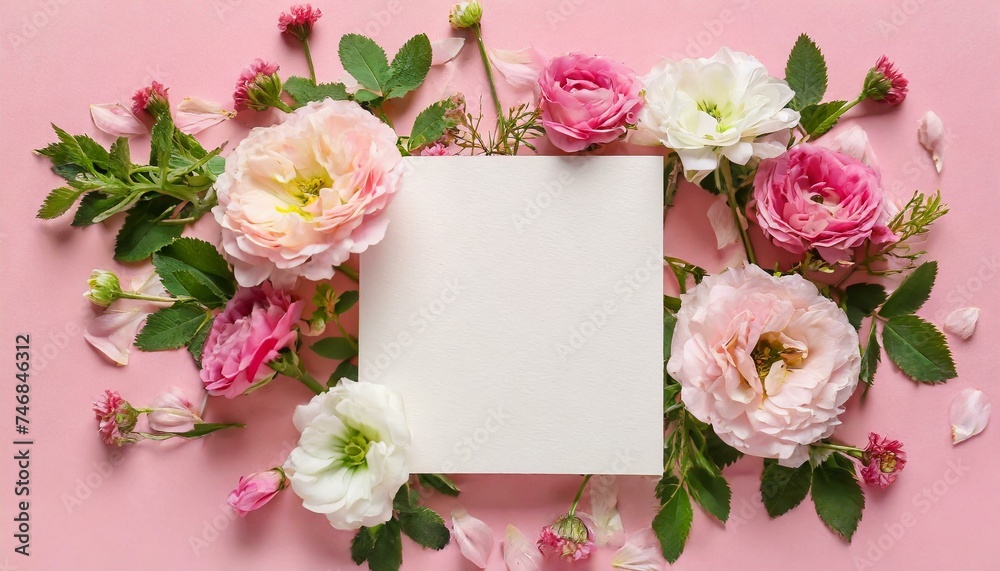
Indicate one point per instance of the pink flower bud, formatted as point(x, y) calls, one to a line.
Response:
point(258, 87)
point(568, 538)
point(152, 99)
point(886, 83)
point(255, 490)
point(299, 20)
point(171, 411)
point(116, 418)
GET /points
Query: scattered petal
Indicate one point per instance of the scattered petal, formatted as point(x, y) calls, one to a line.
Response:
point(608, 526)
point(445, 50)
point(351, 85)
point(474, 537)
point(720, 216)
point(194, 115)
point(112, 333)
point(116, 119)
point(970, 412)
point(520, 553)
point(519, 67)
point(854, 143)
point(931, 135)
point(640, 553)
point(962, 322)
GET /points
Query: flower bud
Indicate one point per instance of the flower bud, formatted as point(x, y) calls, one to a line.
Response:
point(255, 490)
point(259, 87)
point(299, 20)
point(465, 14)
point(116, 418)
point(569, 538)
point(152, 99)
point(885, 83)
point(104, 288)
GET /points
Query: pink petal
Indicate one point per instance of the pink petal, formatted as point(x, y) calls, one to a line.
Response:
point(962, 322)
point(520, 68)
point(720, 216)
point(116, 119)
point(474, 537)
point(970, 412)
point(520, 553)
point(931, 134)
point(640, 553)
point(445, 50)
point(112, 333)
point(854, 143)
point(607, 520)
point(195, 115)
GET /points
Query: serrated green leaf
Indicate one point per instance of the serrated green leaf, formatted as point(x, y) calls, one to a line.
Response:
point(345, 302)
point(806, 73)
point(161, 141)
point(837, 495)
point(387, 553)
point(918, 348)
point(426, 527)
point(781, 488)
point(870, 357)
point(74, 154)
point(119, 204)
point(346, 369)
point(120, 159)
point(364, 96)
point(363, 543)
point(336, 348)
point(142, 234)
point(672, 523)
point(429, 125)
point(197, 344)
point(862, 300)
point(912, 292)
point(365, 60)
point(58, 202)
point(409, 67)
point(171, 327)
point(817, 119)
point(202, 290)
point(92, 206)
point(710, 490)
point(439, 482)
point(304, 91)
point(718, 451)
point(200, 259)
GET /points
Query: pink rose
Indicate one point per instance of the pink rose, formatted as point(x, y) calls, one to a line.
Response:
point(813, 197)
point(300, 197)
point(767, 361)
point(587, 100)
point(255, 325)
point(255, 490)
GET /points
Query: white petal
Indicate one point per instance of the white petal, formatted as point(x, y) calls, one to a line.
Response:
point(931, 135)
point(970, 412)
point(474, 537)
point(520, 554)
point(116, 119)
point(962, 322)
point(351, 85)
point(445, 50)
point(640, 553)
point(608, 526)
point(854, 143)
point(720, 216)
point(195, 115)
point(112, 333)
point(519, 67)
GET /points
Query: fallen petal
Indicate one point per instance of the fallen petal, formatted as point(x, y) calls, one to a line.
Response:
point(640, 553)
point(519, 67)
point(195, 115)
point(520, 553)
point(445, 50)
point(112, 333)
point(351, 85)
point(474, 537)
point(931, 135)
point(962, 322)
point(720, 216)
point(607, 520)
point(116, 119)
point(970, 412)
point(854, 143)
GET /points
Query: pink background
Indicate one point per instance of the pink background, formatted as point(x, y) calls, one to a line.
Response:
point(148, 506)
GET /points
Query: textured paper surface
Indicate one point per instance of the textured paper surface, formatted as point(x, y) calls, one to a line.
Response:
point(516, 304)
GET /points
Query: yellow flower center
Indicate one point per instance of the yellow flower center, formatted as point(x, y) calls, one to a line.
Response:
point(305, 191)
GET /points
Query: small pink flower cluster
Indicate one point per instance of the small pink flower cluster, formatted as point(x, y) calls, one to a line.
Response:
point(299, 20)
point(152, 99)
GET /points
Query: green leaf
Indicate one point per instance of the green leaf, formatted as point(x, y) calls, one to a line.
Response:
point(365, 60)
point(336, 348)
point(75, 154)
point(93, 205)
point(120, 159)
point(718, 451)
point(805, 73)
point(429, 125)
point(387, 553)
point(912, 292)
point(142, 234)
point(710, 490)
point(820, 118)
point(781, 488)
point(201, 260)
point(426, 527)
point(171, 327)
point(837, 495)
point(304, 91)
point(363, 543)
point(669, 323)
point(161, 141)
point(345, 369)
point(409, 67)
point(862, 300)
point(364, 96)
point(919, 349)
point(199, 288)
point(345, 301)
point(197, 344)
point(673, 522)
point(438, 482)
point(203, 428)
point(58, 202)
point(870, 357)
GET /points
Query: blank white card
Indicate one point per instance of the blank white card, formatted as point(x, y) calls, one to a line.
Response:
point(516, 304)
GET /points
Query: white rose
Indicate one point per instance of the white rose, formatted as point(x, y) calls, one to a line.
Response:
point(706, 107)
point(350, 460)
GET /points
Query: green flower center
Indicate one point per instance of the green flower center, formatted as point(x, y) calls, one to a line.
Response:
point(354, 449)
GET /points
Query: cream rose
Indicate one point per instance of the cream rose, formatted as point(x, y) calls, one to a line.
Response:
point(300, 197)
point(767, 361)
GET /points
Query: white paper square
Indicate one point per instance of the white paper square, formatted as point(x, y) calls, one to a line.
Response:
point(516, 304)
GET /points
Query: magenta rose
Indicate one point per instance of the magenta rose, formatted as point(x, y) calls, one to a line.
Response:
point(256, 324)
point(813, 197)
point(587, 100)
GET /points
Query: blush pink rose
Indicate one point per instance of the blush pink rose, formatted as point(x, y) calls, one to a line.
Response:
point(255, 490)
point(767, 361)
point(812, 197)
point(300, 197)
point(587, 100)
point(256, 324)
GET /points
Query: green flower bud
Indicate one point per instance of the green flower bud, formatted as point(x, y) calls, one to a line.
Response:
point(465, 14)
point(104, 288)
